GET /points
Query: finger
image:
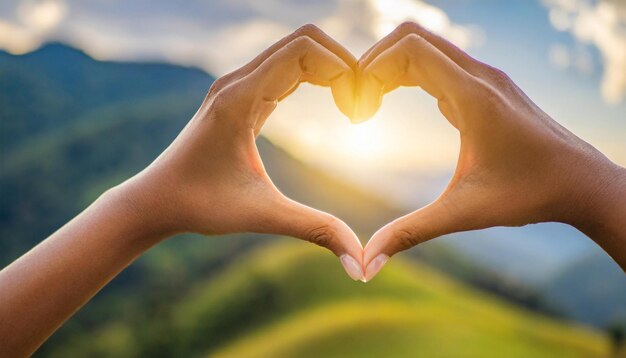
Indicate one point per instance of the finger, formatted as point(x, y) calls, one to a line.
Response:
point(465, 61)
point(301, 60)
point(291, 218)
point(309, 30)
point(411, 61)
point(422, 225)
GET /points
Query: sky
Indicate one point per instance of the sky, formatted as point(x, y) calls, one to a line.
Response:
point(568, 55)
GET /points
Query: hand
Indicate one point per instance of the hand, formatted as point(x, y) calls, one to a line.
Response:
point(516, 165)
point(211, 179)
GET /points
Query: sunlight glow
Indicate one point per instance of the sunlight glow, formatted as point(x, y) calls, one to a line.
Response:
point(340, 143)
point(365, 141)
point(407, 133)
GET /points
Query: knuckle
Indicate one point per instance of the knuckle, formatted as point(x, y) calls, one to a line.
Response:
point(407, 238)
point(222, 100)
point(413, 40)
point(301, 43)
point(491, 100)
point(320, 236)
point(217, 86)
point(498, 76)
point(323, 235)
point(407, 26)
point(308, 30)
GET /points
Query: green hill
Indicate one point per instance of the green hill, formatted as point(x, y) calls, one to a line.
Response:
point(293, 300)
point(410, 310)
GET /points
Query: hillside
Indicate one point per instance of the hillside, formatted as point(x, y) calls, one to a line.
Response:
point(55, 85)
point(291, 300)
point(584, 297)
point(72, 126)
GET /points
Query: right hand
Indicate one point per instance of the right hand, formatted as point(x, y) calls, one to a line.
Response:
point(516, 165)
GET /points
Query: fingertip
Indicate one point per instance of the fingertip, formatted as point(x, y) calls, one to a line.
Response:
point(345, 101)
point(378, 251)
point(374, 267)
point(368, 98)
point(352, 267)
point(344, 93)
point(360, 115)
point(351, 251)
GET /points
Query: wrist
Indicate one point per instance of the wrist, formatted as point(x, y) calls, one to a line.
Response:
point(602, 202)
point(140, 210)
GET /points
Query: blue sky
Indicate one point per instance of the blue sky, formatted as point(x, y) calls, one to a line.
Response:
point(519, 38)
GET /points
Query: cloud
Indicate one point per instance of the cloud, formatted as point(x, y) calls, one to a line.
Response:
point(42, 16)
point(559, 56)
point(388, 14)
point(578, 58)
point(17, 39)
point(32, 22)
point(218, 36)
point(600, 23)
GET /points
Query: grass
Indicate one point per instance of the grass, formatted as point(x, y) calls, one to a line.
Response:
point(409, 310)
point(292, 299)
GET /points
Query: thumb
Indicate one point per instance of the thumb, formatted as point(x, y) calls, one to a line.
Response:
point(403, 233)
point(294, 219)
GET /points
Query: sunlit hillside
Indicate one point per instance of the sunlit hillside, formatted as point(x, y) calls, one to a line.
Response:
point(293, 300)
point(409, 310)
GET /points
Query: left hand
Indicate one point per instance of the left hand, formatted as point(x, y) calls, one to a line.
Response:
point(211, 179)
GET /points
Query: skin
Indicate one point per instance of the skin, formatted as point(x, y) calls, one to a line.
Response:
point(210, 180)
point(516, 165)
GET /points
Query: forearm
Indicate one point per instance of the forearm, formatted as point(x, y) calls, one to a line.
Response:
point(43, 288)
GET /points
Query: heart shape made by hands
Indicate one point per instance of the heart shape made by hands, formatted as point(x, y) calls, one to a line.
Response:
point(509, 169)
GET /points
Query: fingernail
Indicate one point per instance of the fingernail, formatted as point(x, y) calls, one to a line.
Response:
point(352, 267)
point(377, 263)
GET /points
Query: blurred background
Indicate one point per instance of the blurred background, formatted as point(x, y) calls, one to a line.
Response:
point(92, 91)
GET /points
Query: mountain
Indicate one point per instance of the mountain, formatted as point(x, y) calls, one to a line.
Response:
point(299, 304)
point(66, 120)
point(111, 120)
point(591, 290)
point(56, 85)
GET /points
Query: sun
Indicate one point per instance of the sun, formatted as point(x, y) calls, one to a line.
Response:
point(364, 141)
